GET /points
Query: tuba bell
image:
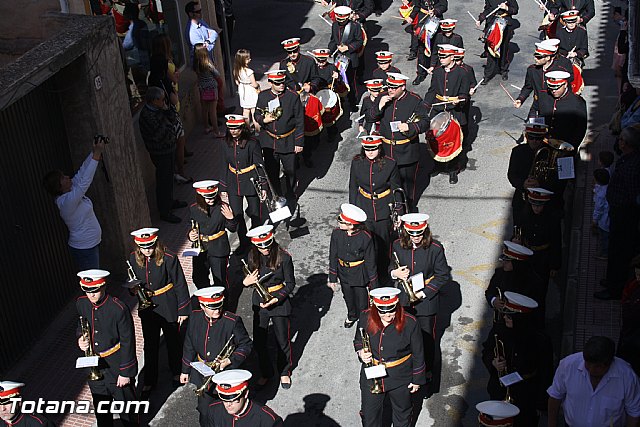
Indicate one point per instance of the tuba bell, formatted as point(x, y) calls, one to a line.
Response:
point(546, 158)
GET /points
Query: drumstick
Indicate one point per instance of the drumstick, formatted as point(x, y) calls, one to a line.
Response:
point(448, 102)
point(425, 68)
point(479, 83)
point(358, 135)
point(516, 87)
point(539, 2)
point(507, 92)
point(325, 20)
point(397, 17)
point(359, 118)
point(492, 12)
point(473, 17)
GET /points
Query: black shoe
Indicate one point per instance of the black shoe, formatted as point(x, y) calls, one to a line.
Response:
point(286, 386)
point(606, 295)
point(486, 80)
point(483, 54)
point(419, 79)
point(412, 56)
point(170, 218)
point(349, 323)
point(453, 177)
point(378, 12)
point(179, 204)
point(505, 75)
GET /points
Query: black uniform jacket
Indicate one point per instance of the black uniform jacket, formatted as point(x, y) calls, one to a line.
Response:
point(365, 107)
point(30, 420)
point(206, 337)
point(373, 178)
point(284, 275)
point(379, 73)
point(520, 163)
point(440, 38)
point(420, 7)
point(353, 40)
point(471, 74)
point(292, 119)
point(389, 345)
point(352, 248)
point(255, 415)
point(305, 71)
point(111, 324)
point(542, 232)
point(576, 40)
point(432, 262)
point(522, 279)
point(325, 75)
point(175, 301)
point(586, 7)
point(566, 116)
point(363, 8)
point(210, 224)
point(534, 79)
point(407, 106)
point(490, 5)
point(452, 83)
point(240, 159)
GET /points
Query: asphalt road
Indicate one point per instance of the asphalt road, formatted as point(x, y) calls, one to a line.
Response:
point(470, 219)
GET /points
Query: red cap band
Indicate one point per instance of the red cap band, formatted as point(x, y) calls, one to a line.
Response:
point(544, 51)
point(345, 218)
point(92, 283)
point(263, 238)
point(11, 392)
point(211, 300)
point(415, 227)
point(517, 307)
point(390, 301)
point(486, 421)
point(232, 390)
point(147, 239)
point(514, 255)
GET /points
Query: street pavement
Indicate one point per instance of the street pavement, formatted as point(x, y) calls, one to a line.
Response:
point(471, 219)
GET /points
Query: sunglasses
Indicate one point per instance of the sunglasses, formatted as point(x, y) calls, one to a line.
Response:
point(540, 56)
point(443, 56)
point(386, 309)
point(371, 148)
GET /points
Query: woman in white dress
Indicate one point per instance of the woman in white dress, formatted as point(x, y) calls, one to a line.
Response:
point(248, 88)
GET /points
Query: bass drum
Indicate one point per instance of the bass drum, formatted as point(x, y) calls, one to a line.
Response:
point(445, 137)
point(312, 115)
point(494, 34)
point(577, 85)
point(331, 106)
point(365, 39)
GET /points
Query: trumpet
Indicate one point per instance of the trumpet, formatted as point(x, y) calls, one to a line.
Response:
point(196, 246)
point(276, 113)
point(375, 388)
point(144, 295)
point(262, 291)
point(496, 312)
point(406, 285)
point(94, 373)
point(517, 234)
point(266, 193)
point(398, 208)
point(499, 353)
point(226, 351)
point(545, 160)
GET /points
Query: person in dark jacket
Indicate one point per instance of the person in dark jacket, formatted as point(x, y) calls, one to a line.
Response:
point(109, 326)
point(10, 410)
point(497, 55)
point(384, 58)
point(301, 70)
point(444, 36)
point(366, 125)
point(586, 9)
point(162, 277)
point(423, 10)
point(574, 42)
point(271, 267)
point(210, 330)
point(158, 129)
point(352, 260)
point(388, 336)
point(211, 217)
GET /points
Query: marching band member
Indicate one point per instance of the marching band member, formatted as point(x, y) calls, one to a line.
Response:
point(421, 258)
point(449, 84)
point(498, 37)
point(112, 337)
point(372, 180)
point(389, 337)
point(10, 390)
point(564, 111)
point(493, 413)
point(384, 58)
point(516, 346)
point(267, 257)
point(327, 72)
point(546, 59)
point(281, 117)
point(210, 330)
point(365, 125)
point(346, 41)
point(162, 276)
point(402, 117)
point(235, 409)
point(574, 42)
point(242, 153)
point(212, 217)
point(422, 10)
point(586, 9)
point(444, 36)
point(473, 82)
point(352, 260)
point(301, 71)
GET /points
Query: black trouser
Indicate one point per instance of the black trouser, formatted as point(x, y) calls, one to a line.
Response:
point(205, 400)
point(623, 239)
point(499, 65)
point(352, 96)
point(423, 60)
point(381, 230)
point(540, 261)
point(164, 181)
point(152, 323)
point(408, 175)
point(415, 43)
point(428, 326)
point(106, 390)
point(282, 332)
point(400, 399)
point(253, 211)
point(356, 298)
point(204, 263)
point(272, 162)
point(310, 145)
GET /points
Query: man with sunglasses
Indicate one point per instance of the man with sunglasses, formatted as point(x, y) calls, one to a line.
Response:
point(546, 60)
point(302, 71)
point(235, 409)
point(210, 328)
point(403, 117)
point(113, 339)
point(281, 137)
point(197, 30)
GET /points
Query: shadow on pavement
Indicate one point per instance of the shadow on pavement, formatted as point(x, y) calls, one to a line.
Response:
point(313, 415)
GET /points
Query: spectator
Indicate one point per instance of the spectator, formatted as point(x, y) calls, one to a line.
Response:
point(595, 388)
point(197, 31)
point(605, 160)
point(621, 48)
point(138, 35)
point(600, 217)
point(248, 88)
point(76, 209)
point(629, 345)
point(623, 195)
point(208, 85)
point(157, 126)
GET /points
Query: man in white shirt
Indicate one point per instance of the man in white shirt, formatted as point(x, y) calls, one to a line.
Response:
point(595, 389)
point(197, 30)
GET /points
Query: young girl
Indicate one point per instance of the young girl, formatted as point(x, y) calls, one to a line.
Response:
point(248, 88)
point(207, 74)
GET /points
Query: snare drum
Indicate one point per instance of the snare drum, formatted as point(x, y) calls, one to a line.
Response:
point(445, 137)
point(494, 35)
point(405, 10)
point(577, 85)
point(331, 105)
point(312, 115)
